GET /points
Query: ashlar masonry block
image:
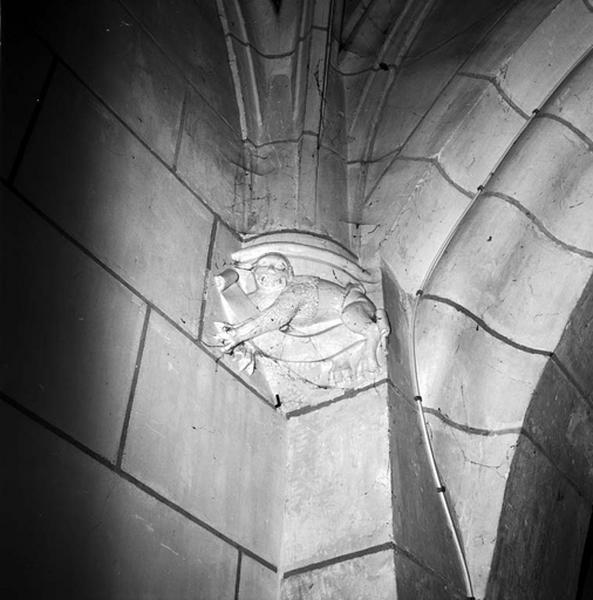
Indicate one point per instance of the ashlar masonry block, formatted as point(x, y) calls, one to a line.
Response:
point(459, 131)
point(474, 468)
point(199, 437)
point(70, 331)
point(557, 187)
point(72, 528)
point(368, 577)
point(419, 521)
point(98, 182)
point(338, 497)
point(466, 374)
point(409, 214)
point(505, 270)
point(257, 582)
point(190, 34)
point(210, 159)
point(563, 35)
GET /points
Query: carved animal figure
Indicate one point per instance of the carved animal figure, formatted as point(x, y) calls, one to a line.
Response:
point(286, 300)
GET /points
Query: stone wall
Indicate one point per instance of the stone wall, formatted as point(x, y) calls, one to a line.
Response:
point(478, 188)
point(136, 464)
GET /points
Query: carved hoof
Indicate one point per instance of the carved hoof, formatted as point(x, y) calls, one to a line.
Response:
point(341, 376)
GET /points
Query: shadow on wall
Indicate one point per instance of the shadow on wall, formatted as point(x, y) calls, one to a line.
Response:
point(105, 250)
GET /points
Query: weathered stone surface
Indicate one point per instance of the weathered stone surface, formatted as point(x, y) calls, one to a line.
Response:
point(112, 54)
point(548, 54)
point(560, 422)
point(334, 125)
point(315, 78)
point(503, 269)
point(99, 183)
point(308, 180)
point(573, 100)
point(474, 469)
point(190, 33)
point(507, 37)
point(398, 310)
point(557, 188)
point(415, 582)
point(331, 214)
point(257, 582)
point(541, 532)
point(70, 331)
point(272, 201)
point(575, 349)
point(20, 87)
point(227, 446)
point(338, 497)
point(469, 376)
point(447, 38)
point(210, 160)
point(420, 525)
point(73, 529)
point(458, 131)
point(408, 218)
point(370, 577)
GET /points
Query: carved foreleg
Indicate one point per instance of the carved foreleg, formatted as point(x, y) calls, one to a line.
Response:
point(277, 316)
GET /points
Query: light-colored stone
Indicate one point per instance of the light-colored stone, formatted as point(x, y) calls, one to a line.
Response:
point(101, 185)
point(70, 332)
point(338, 496)
point(458, 132)
point(557, 187)
point(503, 269)
point(257, 582)
point(573, 100)
point(398, 310)
point(210, 160)
point(307, 205)
point(548, 55)
point(202, 439)
point(541, 533)
point(408, 218)
point(71, 528)
point(334, 125)
point(419, 521)
point(272, 202)
point(472, 378)
point(370, 577)
point(332, 214)
point(474, 469)
point(225, 244)
point(296, 308)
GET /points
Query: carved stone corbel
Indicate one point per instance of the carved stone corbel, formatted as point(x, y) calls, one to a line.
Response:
point(297, 310)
